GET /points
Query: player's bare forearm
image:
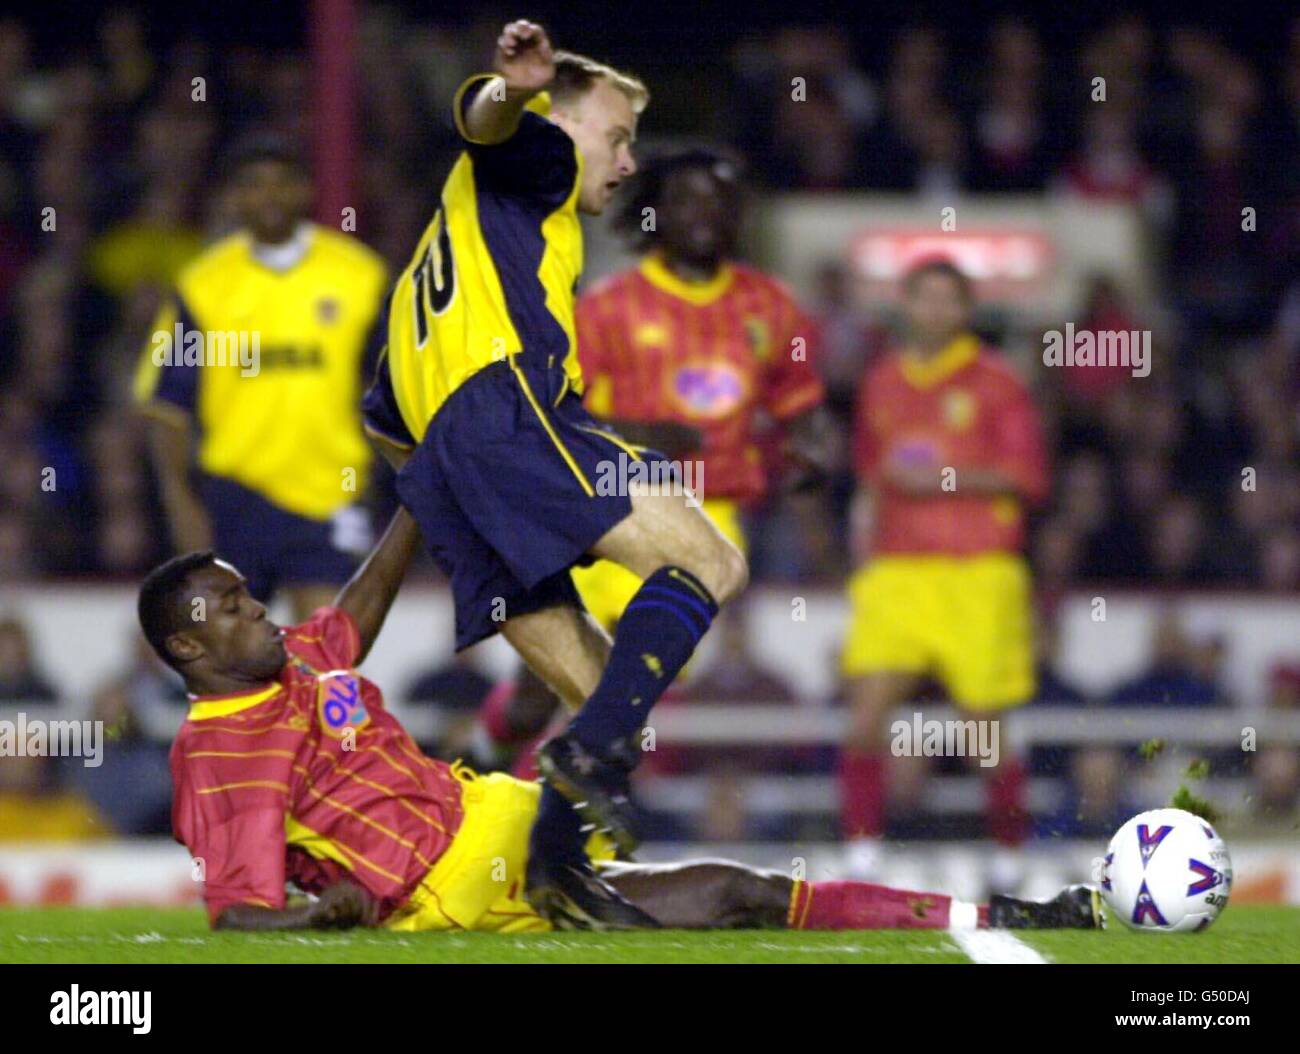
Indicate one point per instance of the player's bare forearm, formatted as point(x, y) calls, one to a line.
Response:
point(369, 594)
point(670, 438)
point(395, 455)
point(169, 442)
point(340, 906)
point(524, 65)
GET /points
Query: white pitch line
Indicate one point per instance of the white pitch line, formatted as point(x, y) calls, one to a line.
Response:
point(996, 947)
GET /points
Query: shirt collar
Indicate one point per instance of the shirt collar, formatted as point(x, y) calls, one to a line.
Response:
point(287, 254)
point(926, 373)
point(657, 274)
point(206, 707)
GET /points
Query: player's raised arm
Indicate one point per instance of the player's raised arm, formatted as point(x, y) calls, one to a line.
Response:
point(369, 594)
point(525, 65)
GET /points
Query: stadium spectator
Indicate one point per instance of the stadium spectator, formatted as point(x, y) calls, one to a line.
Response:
point(145, 701)
point(1182, 671)
point(1094, 803)
point(1105, 309)
point(808, 106)
point(1275, 769)
point(141, 708)
point(731, 674)
point(20, 679)
point(35, 808)
point(454, 691)
point(1090, 778)
point(1012, 133)
point(1109, 166)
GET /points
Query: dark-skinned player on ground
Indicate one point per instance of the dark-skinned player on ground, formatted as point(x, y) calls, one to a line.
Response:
point(289, 768)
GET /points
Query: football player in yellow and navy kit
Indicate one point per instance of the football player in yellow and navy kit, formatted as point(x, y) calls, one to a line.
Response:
point(479, 397)
point(281, 455)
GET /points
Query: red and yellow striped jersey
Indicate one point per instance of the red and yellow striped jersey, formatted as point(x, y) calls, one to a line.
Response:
point(308, 779)
point(712, 355)
point(963, 409)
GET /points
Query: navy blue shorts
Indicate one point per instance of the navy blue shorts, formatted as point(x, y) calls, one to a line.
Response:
point(506, 489)
point(272, 547)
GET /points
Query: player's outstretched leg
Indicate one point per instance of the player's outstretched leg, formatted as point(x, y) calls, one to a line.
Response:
point(724, 895)
point(1074, 908)
point(687, 569)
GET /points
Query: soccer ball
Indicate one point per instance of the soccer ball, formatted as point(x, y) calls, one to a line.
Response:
point(1166, 870)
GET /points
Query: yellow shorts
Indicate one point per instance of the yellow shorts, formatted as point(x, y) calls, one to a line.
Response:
point(966, 620)
point(478, 883)
point(607, 588)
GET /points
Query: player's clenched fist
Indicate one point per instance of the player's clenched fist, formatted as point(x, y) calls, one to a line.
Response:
point(524, 57)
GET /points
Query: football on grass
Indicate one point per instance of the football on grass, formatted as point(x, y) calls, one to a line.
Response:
point(1166, 871)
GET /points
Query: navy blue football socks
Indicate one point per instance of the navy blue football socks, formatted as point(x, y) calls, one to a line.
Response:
point(656, 635)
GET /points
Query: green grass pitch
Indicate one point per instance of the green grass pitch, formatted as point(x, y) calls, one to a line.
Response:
point(1244, 934)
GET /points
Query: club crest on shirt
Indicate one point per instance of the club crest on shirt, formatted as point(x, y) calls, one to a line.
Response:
point(327, 310)
point(958, 409)
point(339, 703)
point(759, 337)
point(650, 334)
point(711, 389)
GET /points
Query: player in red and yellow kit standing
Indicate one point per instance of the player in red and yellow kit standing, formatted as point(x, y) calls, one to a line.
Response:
point(949, 453)
point(686, 353)
point(694, 339)
point(290, 768)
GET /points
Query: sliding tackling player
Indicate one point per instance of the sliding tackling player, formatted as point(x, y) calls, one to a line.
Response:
point(289, 768)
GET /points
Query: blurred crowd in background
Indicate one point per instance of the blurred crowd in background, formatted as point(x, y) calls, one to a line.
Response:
point(1148, 472)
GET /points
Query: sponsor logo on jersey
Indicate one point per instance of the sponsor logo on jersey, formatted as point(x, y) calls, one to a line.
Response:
point(339, 703)
point(709, 390)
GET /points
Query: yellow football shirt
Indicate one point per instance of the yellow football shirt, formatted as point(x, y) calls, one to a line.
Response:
point(271, 364)
point(493, 275)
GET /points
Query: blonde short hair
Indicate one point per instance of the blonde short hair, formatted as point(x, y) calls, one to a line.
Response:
point(575, 75)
